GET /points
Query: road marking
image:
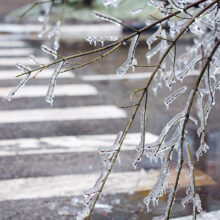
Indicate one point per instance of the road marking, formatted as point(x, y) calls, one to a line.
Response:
point(62, 114)
point(13, 60)
point(16, 52)
point(141, 75)
point(67, 144)
point(214, 215)
point(74, 185)
point(11, 74)
point(60, 90)
point(11, 43)
point(69, 32)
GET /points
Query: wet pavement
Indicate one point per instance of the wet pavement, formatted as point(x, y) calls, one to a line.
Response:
point(30, 170)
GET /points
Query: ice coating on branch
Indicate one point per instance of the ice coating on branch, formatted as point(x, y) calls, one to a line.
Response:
point(194, 120)
point(140, 147)
point(160, 187)
point(49, 50)
point(102, 39)
point(153, 38)
point(190, 188)
point(47, 9)
point(170, 197)
point(203, 146)
point(50, 92)
point(18, 87)
point(153, 52)
point(174, 95)
point(198, 203)
point(158, 143)
point(23, 67)
point(131, 52)
point(188, 67)
point(108, 154)
point(56, 43)
point(108, 18)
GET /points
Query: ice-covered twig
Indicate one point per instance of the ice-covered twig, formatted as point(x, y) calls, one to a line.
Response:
point(48, 50)
point(18, 87)
point(140, 148)
point(107, 159)
point(50, 92)
point(108, 18)
point(131, 52)
point(174, 95)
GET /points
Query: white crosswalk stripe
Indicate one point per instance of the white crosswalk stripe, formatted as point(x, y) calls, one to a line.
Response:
point(61, 90)
point(16, 52)
point(67, 144)
point(13, 60)
point(130, 76)
point(11, 74)
point(74, 185)
point(59, 114)
point(12, 44)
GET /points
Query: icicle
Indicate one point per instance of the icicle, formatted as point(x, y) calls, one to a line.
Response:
point(107, 18)
point(174, 95)
point(125, 66)
point(153, 37)
point(19, 86)
point(48, 50)
point(187, 68)
point(50, 92)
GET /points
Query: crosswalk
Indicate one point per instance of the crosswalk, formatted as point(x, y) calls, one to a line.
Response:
point(42, 161)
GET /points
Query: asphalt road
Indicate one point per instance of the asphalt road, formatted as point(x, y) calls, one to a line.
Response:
point(48, 155)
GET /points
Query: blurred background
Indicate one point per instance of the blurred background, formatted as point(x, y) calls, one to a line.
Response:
point(48, 155)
